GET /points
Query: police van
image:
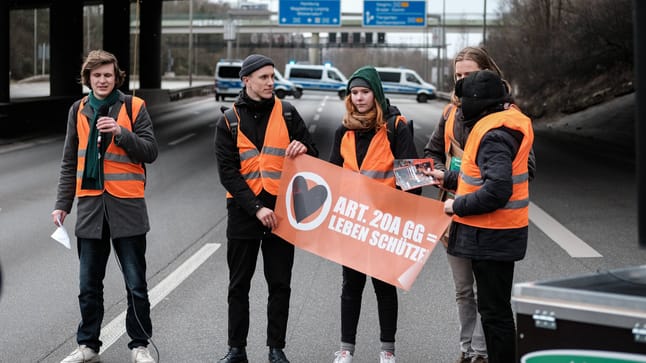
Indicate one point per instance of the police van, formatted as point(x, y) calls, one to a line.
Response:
point(317, 77)
point(406, 81)
point(229, 84)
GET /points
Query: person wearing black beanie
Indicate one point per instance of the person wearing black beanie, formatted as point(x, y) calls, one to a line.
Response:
point(482, 93)
point(254, 62)
point(490, 208)
point(251, 142)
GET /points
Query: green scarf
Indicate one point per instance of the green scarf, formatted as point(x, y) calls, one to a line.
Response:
point(93, 171)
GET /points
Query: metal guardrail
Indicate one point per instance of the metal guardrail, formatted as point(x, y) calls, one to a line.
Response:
point(197, 91)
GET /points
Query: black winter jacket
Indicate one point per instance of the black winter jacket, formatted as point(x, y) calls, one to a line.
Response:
point(434, 148)
point(242, 208)
point(497, 150)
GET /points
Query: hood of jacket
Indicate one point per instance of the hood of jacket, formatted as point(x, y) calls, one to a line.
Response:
point(370, 75)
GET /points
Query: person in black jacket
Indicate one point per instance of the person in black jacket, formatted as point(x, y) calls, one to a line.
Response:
point(490, 209)
point(361, 143)
point(451, 127)
point(249, 167)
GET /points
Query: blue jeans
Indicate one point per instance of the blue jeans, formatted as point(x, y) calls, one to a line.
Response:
point(93, 257)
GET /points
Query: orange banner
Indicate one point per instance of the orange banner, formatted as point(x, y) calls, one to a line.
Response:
point(351, 219)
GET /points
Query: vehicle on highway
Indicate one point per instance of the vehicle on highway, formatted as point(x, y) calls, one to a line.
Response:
point(406, 81)
point(284, 87)
point(229, 84)
point(319, 77)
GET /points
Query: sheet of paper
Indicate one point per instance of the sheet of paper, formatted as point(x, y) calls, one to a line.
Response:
point(60, 235)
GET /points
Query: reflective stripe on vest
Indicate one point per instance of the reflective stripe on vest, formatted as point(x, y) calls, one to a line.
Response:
point(378, 162)
point(262, 169)
point(122, 177)
point(515, 214)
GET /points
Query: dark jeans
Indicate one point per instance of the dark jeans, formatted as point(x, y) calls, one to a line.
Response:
point(93, 256)
point(494, 280)
point(278, 259)
point(351, 293)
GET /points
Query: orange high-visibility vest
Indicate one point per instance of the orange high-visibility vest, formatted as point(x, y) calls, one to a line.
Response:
point(515, 214)
point(379, 159)
point(448, 127)
point(262, 169)
point(123, 178)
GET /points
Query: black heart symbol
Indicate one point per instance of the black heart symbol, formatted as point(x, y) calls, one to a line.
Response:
point(306, 201)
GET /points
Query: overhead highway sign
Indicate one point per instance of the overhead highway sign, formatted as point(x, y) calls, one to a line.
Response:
point(410, 13)
point(309, 13)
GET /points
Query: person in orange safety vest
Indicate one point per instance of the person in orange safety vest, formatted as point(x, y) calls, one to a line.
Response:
point(445, 147)
point(250, 146)
point(362, 144)
point(491, 206)
point(109, 137)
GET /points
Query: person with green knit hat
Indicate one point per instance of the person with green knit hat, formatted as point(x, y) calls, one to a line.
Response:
point(362, 144)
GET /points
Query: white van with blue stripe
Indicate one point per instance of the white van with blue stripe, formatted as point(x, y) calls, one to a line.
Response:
point(406, 81)
point(317, 77)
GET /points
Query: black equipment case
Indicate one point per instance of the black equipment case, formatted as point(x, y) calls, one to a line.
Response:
point(592, 318)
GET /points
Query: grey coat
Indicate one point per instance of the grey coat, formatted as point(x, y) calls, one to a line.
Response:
point(125, 217)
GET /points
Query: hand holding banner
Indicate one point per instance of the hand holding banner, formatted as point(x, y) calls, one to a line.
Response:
point(353, 220)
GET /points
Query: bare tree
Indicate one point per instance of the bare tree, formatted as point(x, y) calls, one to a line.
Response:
point(564, 55)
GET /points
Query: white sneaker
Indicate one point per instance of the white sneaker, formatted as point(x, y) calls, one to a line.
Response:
point(386, 357)
point(82, 354)
point(142, 355)
point(343, 356)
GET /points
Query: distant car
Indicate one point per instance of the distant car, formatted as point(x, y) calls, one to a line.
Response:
point(227, 78)
point(284, 87)
point(228, 82)
point(406, 81)
point(317, 77)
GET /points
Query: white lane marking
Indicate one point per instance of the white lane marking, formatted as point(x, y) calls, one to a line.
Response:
point(316, 117)
point(181, 139)
point(312, 128)
point(21, 145)
point(572, 244)
point(117, 327)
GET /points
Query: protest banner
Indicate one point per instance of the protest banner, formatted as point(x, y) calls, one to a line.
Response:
point(353, 220)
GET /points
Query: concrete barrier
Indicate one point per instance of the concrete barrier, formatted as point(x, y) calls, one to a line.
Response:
point(47, 114)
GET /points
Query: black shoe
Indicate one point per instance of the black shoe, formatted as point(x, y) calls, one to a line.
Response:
point(276, 355)
point(235, 355)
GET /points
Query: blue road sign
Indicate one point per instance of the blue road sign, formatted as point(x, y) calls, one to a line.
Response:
point(407, 13)
point(306, 12)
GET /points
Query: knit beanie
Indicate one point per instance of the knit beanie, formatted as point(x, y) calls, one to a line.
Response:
point(358, 82)
point(254, 62)
point(368, 77)
point(480, 92)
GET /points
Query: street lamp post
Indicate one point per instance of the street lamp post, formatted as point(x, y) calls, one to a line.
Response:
point(35, 41)
point(443, 40)
point(484, 24)
point(190, 43)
